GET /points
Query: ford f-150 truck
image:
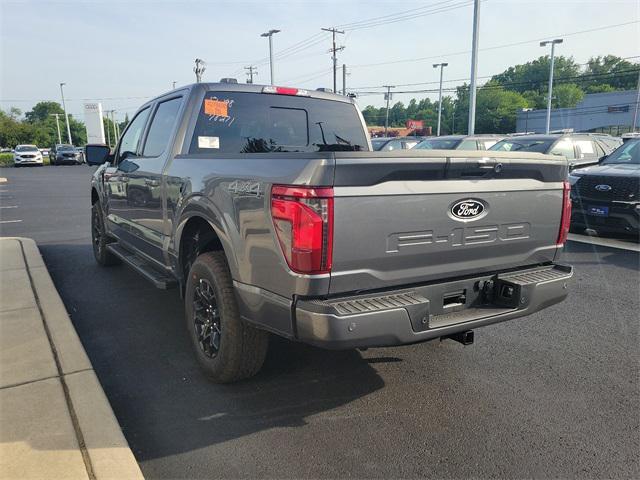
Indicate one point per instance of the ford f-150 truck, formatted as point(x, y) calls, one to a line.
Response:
point(267, 208)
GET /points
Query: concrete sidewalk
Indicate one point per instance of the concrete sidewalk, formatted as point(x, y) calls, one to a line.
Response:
point(55, 420)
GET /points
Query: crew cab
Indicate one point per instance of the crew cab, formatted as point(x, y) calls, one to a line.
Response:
point(269, 212)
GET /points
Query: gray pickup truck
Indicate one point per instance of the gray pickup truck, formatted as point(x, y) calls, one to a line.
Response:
point(267, 208)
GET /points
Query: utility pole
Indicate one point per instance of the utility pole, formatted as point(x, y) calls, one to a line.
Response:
point(344, 79)
point(251, 71)
point(387, 96)
point(474, 67)
point(270, 35)
point(635, 113)
point(66, 116)
point(199, 69)
point(108, 129)
point(553, 49)
point(57, 126)
point(441, 65)
point(333, 51)
point(115, 131)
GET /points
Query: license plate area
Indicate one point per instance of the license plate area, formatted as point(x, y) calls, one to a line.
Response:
point(598, 211)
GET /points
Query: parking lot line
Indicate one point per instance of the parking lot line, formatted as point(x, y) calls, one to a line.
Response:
point(9, 206)
point(605, 242)
point(10, 221)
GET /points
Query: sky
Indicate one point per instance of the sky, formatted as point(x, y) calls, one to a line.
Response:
point(124, 52)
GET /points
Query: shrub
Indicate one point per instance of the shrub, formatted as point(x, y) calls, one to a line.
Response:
point(6, 159)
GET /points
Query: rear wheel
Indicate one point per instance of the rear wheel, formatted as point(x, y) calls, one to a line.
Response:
point(99, 239)
point(226, 347)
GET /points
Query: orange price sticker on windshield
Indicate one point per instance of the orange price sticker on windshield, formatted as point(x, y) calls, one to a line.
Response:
point(216, 107)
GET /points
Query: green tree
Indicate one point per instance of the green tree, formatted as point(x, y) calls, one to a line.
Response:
point(497, 109)
point(566, 95)
point(617, 72)
point(42, 111)
point(12, 131)
point(534, 75)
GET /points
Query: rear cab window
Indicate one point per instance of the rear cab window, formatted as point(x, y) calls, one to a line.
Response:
point(239, 122)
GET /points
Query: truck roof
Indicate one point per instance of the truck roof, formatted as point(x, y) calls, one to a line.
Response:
point(252, 88)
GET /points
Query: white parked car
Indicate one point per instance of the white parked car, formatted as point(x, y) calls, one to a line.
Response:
point(27, 155)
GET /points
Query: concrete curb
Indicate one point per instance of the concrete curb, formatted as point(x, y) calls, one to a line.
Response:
point(104, 449)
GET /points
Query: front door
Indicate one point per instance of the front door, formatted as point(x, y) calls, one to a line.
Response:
point(145, 187)
point(117, 176)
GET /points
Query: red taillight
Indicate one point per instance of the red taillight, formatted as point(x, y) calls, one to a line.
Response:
point(565, 220)
point(303, 221)
point(285, 91)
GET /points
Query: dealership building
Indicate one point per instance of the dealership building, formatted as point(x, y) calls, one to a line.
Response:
point(610, 112)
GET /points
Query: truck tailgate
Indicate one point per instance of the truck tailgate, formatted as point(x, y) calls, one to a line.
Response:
point(410, 217)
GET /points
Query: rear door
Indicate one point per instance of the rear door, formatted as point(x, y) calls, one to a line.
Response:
point(418, 216)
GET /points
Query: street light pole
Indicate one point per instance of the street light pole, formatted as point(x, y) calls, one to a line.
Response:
point(66, 117)
point(474, 67)
point(57, 126)
point(270, 35)
point(441, 65)
point(635, 112)
point(553, 49)
point(526, 119)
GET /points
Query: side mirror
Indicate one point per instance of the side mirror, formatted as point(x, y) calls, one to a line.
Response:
point(96, 154)
point(602, 158)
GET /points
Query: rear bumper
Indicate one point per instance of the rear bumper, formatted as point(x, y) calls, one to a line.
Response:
point(408, 315)
point(418, 314)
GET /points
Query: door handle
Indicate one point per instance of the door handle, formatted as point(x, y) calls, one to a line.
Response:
point(151, 183)
point(486, 163)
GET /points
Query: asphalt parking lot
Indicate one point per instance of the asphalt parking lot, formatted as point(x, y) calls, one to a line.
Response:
point(552, 395)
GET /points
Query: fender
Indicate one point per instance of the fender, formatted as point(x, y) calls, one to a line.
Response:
point(200, 206)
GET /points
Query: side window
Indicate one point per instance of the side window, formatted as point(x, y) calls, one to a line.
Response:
point(489, 143)
point(564, 147)
point(468, 145)
point(393, 145)
point(131, 138)
point(161, 127)
point(601, 151)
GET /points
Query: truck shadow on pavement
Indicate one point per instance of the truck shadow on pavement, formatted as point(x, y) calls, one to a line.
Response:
point(599, 255)
point(136, 340)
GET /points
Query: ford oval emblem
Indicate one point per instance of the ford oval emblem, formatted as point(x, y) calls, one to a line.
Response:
point(468, 209)
point(603, 188)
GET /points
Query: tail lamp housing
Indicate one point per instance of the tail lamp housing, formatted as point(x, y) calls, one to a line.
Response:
point(565, 219)
point(303, 223)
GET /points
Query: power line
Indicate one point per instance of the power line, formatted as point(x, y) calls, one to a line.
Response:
point(581, 77)
point(401, 18)
point(495, 47)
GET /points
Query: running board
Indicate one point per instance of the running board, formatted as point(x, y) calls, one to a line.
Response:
point(143, 267)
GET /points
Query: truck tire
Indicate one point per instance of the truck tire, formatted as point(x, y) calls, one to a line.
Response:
point(227, 348)
point(99, 239)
